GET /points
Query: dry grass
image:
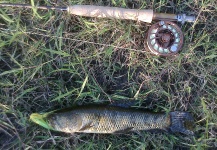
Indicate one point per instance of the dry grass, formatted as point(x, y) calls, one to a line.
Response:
point(52, 60)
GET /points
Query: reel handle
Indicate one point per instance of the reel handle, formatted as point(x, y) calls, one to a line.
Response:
point(111, 12)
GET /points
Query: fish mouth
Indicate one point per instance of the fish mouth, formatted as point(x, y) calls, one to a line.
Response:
point(41, 119)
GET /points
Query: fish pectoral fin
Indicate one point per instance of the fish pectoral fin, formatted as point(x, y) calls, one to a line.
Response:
point(124, 130)
point(85, 127)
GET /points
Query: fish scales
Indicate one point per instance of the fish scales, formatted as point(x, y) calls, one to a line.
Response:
point(107, 120)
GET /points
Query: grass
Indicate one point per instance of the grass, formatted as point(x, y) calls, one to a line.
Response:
point(51, 60)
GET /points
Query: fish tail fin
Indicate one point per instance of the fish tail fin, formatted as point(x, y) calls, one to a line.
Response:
point(181, 122)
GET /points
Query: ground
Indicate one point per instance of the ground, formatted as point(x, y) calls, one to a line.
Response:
point(51, 60)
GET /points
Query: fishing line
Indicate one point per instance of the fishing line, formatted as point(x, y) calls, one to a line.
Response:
point(8, 31)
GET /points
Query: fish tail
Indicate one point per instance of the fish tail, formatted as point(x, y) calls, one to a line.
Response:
point(181, 122)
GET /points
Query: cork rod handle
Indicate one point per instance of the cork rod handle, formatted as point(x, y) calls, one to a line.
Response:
point(111, 12)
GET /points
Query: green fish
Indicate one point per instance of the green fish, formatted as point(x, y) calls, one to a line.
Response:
point(109, 119)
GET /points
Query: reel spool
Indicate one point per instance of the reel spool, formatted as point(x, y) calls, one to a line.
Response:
point(164, 38)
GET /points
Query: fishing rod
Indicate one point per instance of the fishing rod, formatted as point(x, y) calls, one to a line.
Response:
point(163, 38)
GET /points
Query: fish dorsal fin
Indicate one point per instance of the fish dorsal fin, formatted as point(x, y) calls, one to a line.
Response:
point(123, 103)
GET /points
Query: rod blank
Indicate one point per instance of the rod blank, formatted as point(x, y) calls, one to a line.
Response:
point(30, 6)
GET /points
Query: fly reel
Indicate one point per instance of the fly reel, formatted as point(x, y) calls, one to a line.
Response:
point(164, 38)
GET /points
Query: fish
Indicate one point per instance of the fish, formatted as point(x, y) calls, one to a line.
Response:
point(111, 119)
